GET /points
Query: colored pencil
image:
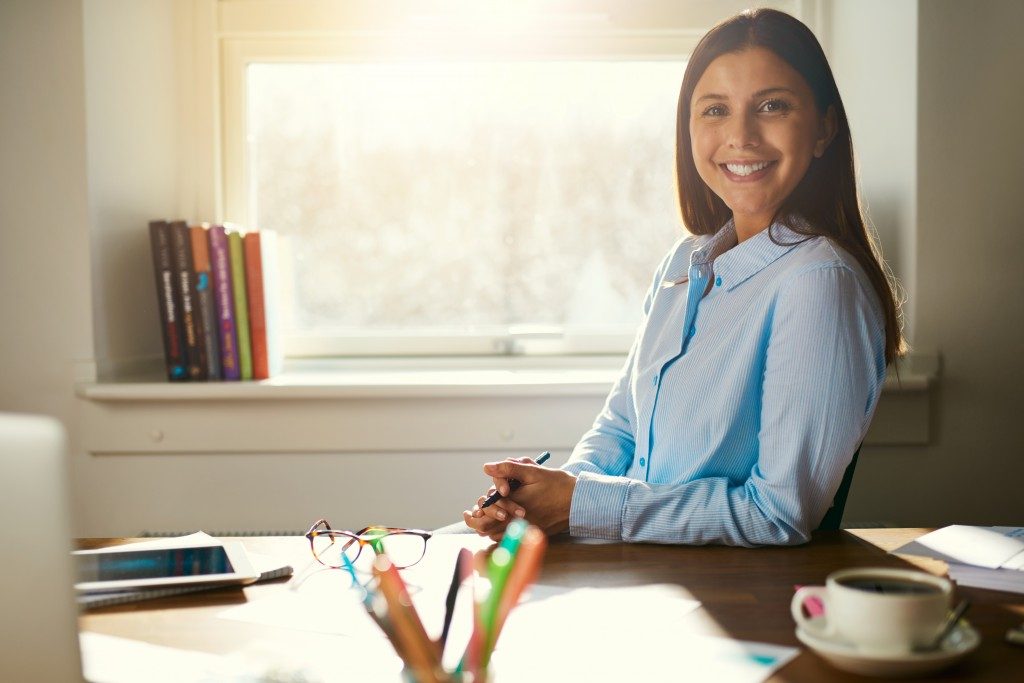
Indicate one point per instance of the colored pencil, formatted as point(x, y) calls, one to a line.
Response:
point(524, 573)
point(498, 568)
point(421, 654)
point(471, 658)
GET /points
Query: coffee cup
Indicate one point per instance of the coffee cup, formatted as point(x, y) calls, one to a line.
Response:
point(886, 611)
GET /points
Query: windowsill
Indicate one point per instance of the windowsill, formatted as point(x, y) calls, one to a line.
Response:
point(441, 405)
point(421, 378)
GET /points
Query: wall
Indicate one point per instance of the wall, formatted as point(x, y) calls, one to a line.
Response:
point(867, 39)
point(45, 308)
point(969, 280)
point(133, 160)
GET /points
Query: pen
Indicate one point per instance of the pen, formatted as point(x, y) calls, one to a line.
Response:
point(513, 484)
point(463, 568)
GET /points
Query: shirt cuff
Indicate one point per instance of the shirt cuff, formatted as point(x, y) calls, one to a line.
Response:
point(597, 505)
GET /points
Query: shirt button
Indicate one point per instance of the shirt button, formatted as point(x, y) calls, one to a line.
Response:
point(642, 462)
point(718, 282)
point(654, 380)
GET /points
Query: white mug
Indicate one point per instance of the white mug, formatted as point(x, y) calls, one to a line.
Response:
point(877, 609)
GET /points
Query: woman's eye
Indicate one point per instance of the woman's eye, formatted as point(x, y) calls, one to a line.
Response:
point(775, 106)
point(715, 110)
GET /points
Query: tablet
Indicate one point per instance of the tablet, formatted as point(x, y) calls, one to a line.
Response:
point(119, 568)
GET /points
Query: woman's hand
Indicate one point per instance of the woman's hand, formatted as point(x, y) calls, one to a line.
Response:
point(491, 521)
point(544, 498)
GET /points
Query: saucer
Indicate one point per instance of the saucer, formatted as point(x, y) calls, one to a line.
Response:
point(958, 644)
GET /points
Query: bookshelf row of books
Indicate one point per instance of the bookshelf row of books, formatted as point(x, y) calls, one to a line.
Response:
point(216, 288)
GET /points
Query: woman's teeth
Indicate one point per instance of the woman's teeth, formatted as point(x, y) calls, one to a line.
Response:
point(747, 169)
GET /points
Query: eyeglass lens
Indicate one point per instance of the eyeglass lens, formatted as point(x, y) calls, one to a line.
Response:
point(403, 549)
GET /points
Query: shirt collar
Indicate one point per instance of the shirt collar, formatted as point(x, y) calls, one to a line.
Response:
point(753, 255)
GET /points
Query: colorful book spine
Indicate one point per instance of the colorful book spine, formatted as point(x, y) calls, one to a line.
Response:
point(241, 304)
point(170, 317)
point(220, 262)
point(263, 286)
point(254, 286)
point(206, 307)
point(181, 251)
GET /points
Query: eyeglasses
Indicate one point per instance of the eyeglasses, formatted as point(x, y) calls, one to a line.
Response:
point(337, 549)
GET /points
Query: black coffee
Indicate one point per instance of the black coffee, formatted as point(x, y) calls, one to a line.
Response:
point(890, 586)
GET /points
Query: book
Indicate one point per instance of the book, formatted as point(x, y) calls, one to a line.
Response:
point(261, 287)
point(181, 255)
point(170, 316)
point(983, 557)
point(227, 336)
point(206, 307)
point(241, 304)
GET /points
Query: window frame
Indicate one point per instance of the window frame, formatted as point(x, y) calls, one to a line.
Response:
point(249, 31)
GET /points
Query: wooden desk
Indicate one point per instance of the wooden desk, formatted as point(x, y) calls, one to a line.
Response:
point(744, 593)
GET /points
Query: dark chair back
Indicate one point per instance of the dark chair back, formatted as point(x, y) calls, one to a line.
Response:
point(834, 516)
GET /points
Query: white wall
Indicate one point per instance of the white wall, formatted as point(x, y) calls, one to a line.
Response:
point(872, 47)
point(45, 307)
point(132, 111)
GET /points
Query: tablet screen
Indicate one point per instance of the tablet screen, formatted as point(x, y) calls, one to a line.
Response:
point(153, 564)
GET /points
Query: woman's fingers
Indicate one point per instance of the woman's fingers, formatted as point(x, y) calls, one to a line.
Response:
point(485, 526)
point(504, 510)
point(500, 484)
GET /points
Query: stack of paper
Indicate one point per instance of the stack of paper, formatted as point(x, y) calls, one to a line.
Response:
point(984, 557)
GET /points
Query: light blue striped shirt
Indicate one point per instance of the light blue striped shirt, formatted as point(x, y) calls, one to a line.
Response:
point(749, 386)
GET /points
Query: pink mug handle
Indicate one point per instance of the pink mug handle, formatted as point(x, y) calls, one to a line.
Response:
point(796, 607)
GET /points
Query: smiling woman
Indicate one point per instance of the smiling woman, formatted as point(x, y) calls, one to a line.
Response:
point(747, 391)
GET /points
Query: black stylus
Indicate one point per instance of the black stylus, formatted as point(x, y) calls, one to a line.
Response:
point(513, 484)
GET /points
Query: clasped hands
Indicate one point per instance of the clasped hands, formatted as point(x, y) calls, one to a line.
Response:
point(543, 498)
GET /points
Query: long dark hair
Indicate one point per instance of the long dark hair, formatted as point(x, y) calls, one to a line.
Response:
point(827, 195)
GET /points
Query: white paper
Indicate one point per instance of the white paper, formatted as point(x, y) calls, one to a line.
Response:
point(200, 539)
point(680, 658)
point(107, 659)
point(324, 604)
point(990, 547)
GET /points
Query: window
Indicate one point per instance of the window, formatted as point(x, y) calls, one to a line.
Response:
point(457, 178)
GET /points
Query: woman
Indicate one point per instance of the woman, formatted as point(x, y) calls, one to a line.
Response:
point(766, 333)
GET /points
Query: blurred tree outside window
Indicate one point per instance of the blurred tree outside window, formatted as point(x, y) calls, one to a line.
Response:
point(449, 196)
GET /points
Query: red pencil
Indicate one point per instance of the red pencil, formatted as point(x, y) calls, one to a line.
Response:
point(420, 654)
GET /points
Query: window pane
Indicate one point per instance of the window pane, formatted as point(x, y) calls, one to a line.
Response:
point(459, 195)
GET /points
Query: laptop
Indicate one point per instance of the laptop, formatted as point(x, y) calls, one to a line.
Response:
point(39, 619)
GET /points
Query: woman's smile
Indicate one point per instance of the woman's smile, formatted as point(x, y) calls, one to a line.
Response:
point(746, 171)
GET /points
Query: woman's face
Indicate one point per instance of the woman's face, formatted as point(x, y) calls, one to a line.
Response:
point(754, 129)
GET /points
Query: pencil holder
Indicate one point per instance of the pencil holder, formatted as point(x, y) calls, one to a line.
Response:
point(409, 676)
point(508, 568)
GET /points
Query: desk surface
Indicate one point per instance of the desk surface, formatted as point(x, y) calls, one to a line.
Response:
point(744, 593)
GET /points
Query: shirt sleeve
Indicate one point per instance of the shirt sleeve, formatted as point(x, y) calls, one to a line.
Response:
point(824, 364)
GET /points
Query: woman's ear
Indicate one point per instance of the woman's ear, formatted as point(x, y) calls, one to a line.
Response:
point(826, 131)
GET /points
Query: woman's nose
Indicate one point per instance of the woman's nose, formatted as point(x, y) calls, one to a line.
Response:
point(743, 132)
